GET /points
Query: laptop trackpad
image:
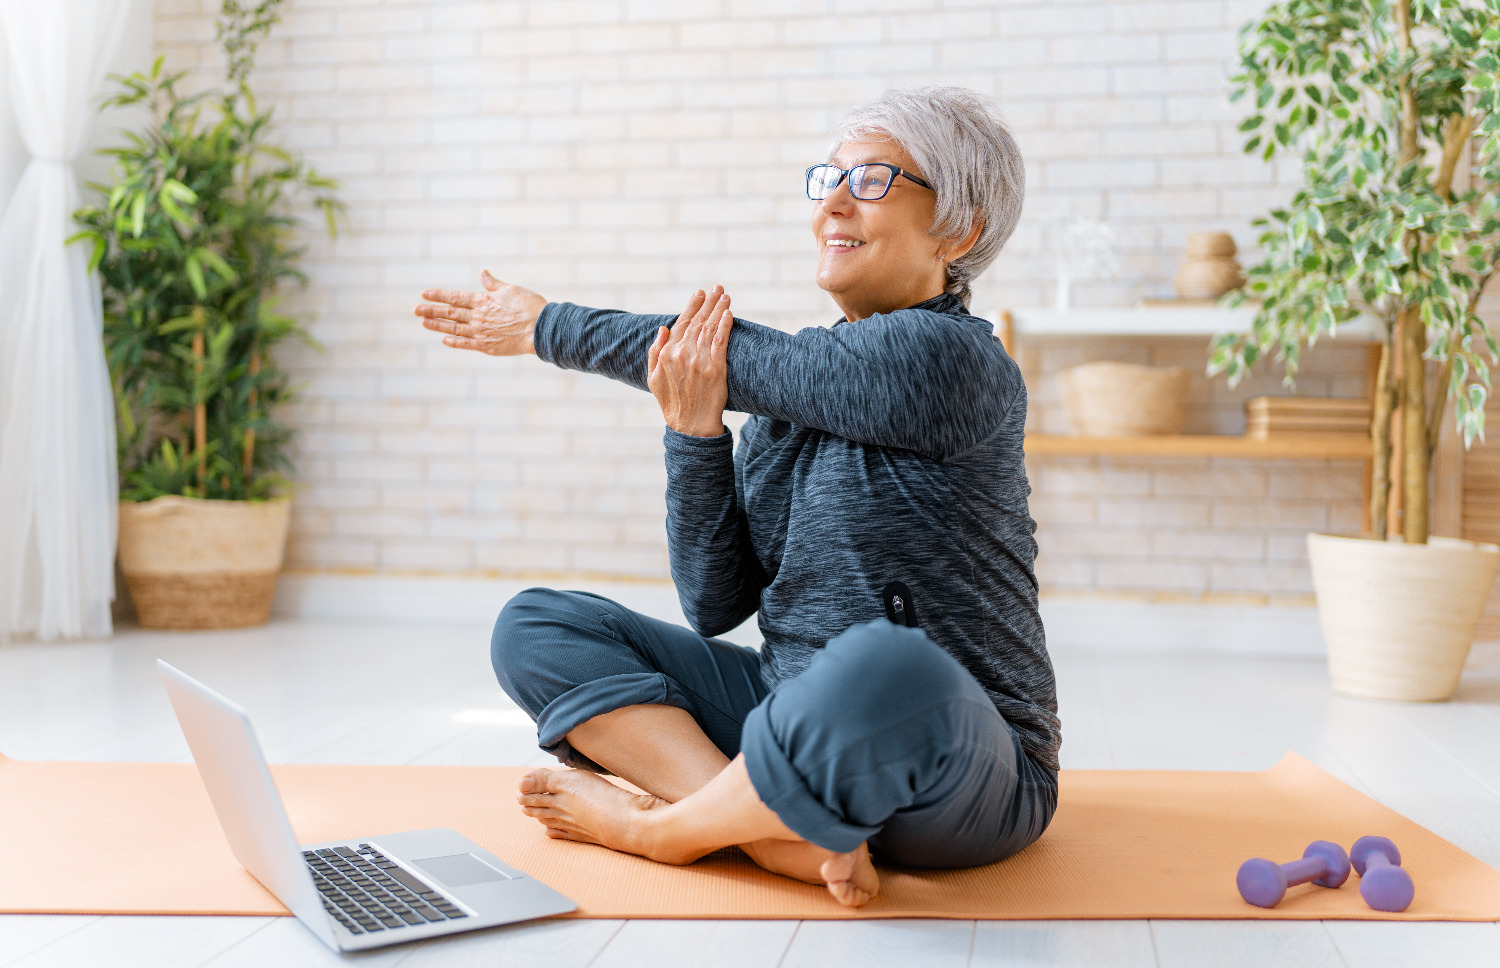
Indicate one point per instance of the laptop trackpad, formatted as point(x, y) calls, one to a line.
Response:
point(460, 870)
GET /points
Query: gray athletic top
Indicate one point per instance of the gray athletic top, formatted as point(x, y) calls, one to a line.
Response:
point(887, 450)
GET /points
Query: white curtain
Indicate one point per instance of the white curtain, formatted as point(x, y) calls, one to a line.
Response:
point(57, 441)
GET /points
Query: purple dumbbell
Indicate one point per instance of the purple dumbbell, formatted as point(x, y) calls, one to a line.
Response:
point(1383, 883)
point(1264, 883)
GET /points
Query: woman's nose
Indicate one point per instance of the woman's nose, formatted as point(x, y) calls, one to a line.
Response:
point(840, 201)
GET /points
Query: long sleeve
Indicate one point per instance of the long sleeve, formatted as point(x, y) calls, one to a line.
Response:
point(918, 380)
point(718, 577)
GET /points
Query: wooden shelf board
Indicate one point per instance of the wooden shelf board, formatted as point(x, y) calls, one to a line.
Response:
point(1279, 447)
point(1188, 319)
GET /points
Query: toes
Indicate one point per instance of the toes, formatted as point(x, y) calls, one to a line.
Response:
point(536, 781)
point(539, 812)
point(851, 878)
point(849, 894)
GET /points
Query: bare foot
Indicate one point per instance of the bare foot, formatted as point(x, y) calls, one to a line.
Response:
point(851, 877)
point(582, 806)
point(792, 858)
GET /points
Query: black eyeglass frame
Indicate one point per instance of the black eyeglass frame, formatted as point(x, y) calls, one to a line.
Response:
point(844, 173)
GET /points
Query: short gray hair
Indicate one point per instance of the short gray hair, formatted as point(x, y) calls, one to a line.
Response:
point(962, 144)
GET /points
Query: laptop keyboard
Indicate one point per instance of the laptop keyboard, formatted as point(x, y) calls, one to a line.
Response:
point(365, 891)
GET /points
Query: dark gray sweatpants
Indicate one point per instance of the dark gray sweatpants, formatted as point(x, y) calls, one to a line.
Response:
point(883, 738)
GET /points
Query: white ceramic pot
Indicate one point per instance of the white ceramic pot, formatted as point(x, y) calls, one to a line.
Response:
point(195, 564)
point(1398, 619)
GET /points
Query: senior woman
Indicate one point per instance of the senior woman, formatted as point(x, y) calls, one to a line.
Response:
point(874, 515)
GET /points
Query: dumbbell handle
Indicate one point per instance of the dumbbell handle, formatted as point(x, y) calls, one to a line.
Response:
point(1376, 860)
point(1304, 870)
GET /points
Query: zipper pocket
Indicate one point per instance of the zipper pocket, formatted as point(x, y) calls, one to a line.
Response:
point(900, 607)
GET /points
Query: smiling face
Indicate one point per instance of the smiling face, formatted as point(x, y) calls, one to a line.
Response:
point(876, 257)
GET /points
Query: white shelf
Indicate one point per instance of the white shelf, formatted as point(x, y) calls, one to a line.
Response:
point(1160, 321)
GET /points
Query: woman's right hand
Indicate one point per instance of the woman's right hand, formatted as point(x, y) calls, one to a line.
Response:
point(686, 368)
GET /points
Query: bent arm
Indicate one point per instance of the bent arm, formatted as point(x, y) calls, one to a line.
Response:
point(719, 579)
point(913, 379)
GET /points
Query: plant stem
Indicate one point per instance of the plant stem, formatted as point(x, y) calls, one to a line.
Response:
point(1417, 458)
point(1455, 138)
point(249, 458)
point(1380, 437)
point(200, 409)
point(1439, 404)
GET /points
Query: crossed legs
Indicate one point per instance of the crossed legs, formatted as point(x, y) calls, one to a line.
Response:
point(698, 801)
point(883, 742)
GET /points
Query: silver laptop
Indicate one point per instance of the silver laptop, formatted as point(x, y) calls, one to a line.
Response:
point(354, 894)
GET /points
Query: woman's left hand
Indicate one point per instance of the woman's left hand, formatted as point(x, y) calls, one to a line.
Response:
point(686, 369)
point(500, 321)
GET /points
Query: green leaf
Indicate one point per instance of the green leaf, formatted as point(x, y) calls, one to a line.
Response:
point(180, 192)
point(1252, 122)
point(178, 324)
point(138, 215)
point(194, 269)
point(218, 265)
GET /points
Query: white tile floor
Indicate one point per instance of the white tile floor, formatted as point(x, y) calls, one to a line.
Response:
point(342, 691)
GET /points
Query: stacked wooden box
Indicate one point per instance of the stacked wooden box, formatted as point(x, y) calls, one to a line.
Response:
point(1268, 416)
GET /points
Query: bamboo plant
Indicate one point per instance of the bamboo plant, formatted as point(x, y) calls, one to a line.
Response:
point(1392, 107)
point(192, 242)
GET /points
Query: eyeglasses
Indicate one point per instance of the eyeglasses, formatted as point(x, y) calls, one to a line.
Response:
point(868, 183)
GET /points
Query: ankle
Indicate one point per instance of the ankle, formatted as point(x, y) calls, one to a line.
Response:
point(658, 838)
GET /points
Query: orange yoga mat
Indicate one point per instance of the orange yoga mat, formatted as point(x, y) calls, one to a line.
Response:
point(141, 838)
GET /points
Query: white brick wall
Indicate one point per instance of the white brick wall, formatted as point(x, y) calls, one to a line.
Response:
point(582, 148)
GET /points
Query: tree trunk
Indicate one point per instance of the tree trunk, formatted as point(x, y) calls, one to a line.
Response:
point(1380, 437)
point(1417, 463)
point(1416, 459)
point(1409, 148)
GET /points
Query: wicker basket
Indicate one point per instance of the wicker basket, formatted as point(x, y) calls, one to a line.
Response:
point(194, 564)
point(1125, 399)
point(1208, 268)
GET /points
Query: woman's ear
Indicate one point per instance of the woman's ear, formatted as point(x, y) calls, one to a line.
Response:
point(960, 248)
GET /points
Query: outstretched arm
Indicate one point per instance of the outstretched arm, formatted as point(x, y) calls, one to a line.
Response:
point(914, 379)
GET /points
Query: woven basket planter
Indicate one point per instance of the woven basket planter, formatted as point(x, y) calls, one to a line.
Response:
point(1125, 399)
point(194, 564)
point(1398, 619)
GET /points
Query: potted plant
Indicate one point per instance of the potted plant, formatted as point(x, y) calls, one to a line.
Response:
point(192, 241)
point(1393, 107)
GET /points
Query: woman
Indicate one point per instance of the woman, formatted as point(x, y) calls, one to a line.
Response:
point(874, 515)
